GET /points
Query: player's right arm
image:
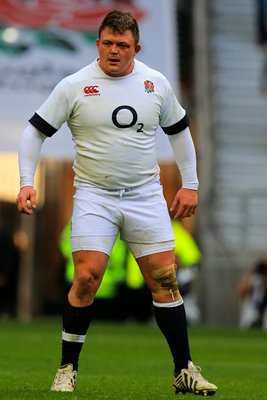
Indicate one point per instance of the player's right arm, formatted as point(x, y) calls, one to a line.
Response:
point(29, 154)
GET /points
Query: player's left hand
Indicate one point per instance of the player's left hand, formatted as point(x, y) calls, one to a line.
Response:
point(184, 204)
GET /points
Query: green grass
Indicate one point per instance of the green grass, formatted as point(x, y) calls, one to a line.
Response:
point(129, 362)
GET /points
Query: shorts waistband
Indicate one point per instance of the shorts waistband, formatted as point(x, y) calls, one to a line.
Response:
point(121, 191)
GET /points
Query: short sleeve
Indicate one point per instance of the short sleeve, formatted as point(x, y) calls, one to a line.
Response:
point(171, 112)
point(57, 108)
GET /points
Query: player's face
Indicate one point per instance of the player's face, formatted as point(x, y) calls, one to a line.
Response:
point(116, 52)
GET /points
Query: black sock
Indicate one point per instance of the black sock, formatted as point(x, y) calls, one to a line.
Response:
point(76, 321)
point(173, 325)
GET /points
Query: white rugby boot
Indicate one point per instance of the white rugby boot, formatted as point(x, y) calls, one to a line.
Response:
point(65, 379)
point(191, 380)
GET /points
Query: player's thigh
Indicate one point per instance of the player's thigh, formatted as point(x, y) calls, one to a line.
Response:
point(146, 216)
point(94, 221)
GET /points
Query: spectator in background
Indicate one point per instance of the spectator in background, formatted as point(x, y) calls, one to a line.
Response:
point(252, 290)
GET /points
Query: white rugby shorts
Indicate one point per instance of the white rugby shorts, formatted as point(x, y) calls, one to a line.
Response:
point(140, 215)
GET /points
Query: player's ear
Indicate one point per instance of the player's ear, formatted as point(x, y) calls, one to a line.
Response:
point(137, 48)
point(97, 42)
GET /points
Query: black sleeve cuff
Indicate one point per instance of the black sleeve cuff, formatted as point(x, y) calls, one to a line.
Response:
point(42, 126)
point(178, 127)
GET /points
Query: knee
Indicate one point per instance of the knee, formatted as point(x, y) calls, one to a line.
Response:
point(166, 286)
point(85, 283)
point(89, 268)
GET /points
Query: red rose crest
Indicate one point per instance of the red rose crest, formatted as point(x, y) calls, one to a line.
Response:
point(149, 86)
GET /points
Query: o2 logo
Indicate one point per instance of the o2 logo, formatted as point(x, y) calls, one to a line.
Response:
point(118, 124)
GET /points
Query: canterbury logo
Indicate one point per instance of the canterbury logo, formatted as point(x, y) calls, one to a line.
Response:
point(91, 91)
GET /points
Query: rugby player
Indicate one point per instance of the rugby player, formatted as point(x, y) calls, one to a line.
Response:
point(113, 108)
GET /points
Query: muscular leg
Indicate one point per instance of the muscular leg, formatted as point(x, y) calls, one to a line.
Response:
point(89, 268)
point(160, 275)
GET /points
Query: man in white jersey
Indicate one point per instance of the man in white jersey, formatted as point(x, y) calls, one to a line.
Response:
point(113, 107)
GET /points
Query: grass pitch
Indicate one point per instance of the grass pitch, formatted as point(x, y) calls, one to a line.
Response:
point(129, 362)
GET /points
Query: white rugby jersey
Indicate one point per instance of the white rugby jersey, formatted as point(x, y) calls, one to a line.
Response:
point(113, 121)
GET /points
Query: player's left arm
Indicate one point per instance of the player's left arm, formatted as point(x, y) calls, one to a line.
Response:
point(186, 199)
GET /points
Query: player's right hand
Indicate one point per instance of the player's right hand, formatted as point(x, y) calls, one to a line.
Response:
point(26, 193)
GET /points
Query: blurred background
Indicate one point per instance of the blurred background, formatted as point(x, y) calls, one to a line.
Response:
point(214, 54)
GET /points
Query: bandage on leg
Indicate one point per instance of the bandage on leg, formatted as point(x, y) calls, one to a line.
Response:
point(166, 278)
